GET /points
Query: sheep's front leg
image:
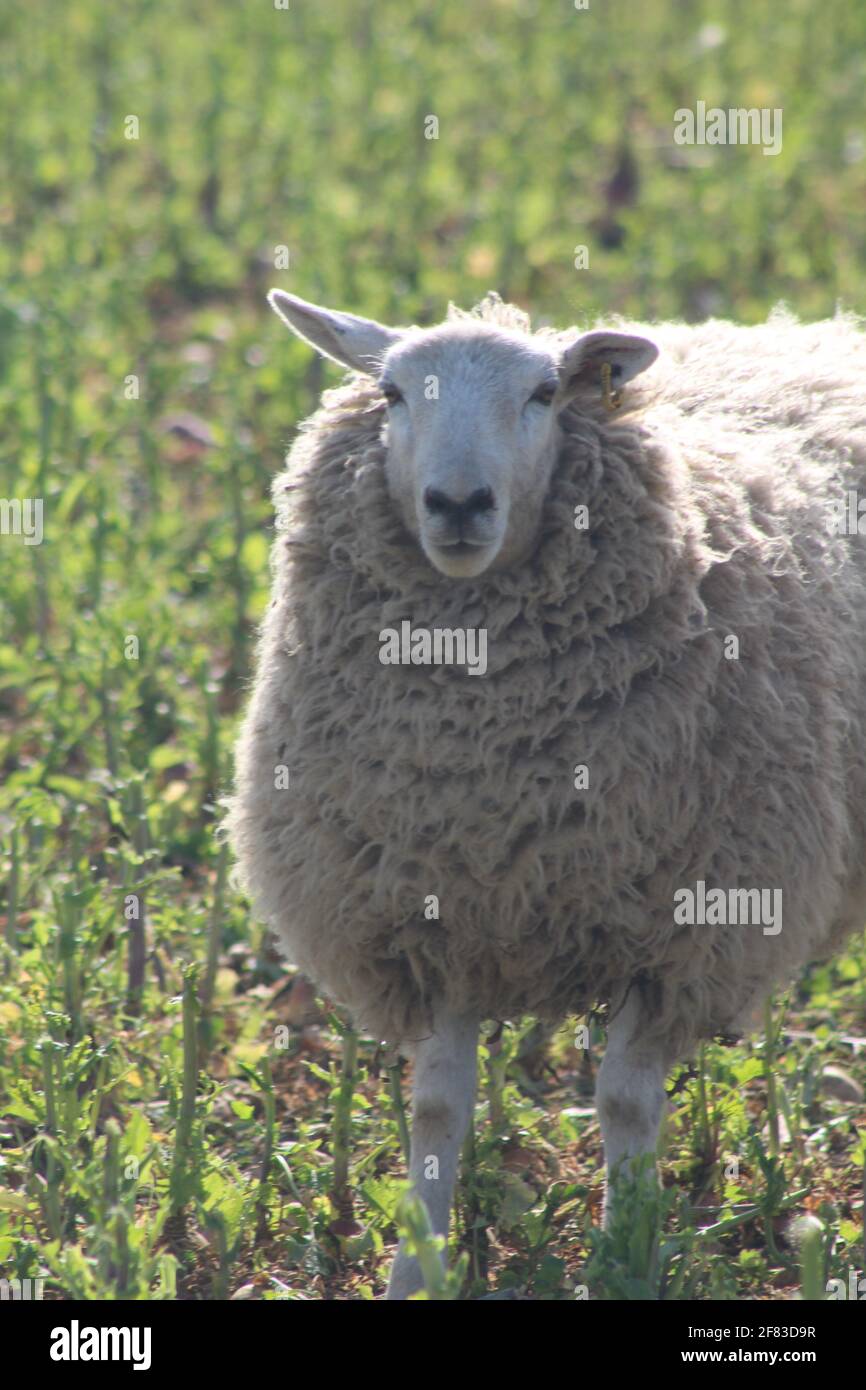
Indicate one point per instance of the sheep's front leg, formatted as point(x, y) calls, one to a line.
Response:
point(443, 1095)
point(630, 1093)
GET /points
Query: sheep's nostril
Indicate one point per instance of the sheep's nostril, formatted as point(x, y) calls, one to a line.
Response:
point(439, 503)
point(481, 500)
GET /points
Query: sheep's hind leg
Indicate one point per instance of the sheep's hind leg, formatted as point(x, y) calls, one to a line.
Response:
point(443, 1095)
point(630, 1095)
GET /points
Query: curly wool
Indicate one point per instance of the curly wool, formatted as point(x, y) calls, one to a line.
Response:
point(708, 517)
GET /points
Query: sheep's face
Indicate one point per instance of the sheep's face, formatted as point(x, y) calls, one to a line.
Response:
point(471, 439)
point(471, 428)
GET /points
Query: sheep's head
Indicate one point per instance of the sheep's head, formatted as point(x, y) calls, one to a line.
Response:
point(471, 431)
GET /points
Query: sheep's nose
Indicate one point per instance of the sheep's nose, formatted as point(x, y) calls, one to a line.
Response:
point(439, 503)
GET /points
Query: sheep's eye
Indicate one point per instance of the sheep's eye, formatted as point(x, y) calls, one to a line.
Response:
point(391, 393)
point(544, 394)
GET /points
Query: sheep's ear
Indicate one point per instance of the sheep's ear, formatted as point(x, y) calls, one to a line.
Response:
point(626, 354)
point(352, 341)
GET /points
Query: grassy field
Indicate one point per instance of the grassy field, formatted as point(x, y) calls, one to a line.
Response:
point(167, 1102)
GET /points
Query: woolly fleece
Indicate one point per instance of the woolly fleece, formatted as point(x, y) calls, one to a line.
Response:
point(708, 499)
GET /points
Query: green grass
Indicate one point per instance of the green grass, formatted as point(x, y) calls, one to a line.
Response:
point(167, 1125)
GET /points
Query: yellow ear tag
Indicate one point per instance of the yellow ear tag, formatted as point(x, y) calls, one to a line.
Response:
point(612, 399)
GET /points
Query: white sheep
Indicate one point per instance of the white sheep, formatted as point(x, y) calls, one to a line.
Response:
point(656, 530)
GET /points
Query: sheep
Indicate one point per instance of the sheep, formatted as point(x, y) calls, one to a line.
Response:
point(649, 525)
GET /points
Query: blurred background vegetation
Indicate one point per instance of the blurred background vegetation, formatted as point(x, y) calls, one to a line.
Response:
point(147, 395)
